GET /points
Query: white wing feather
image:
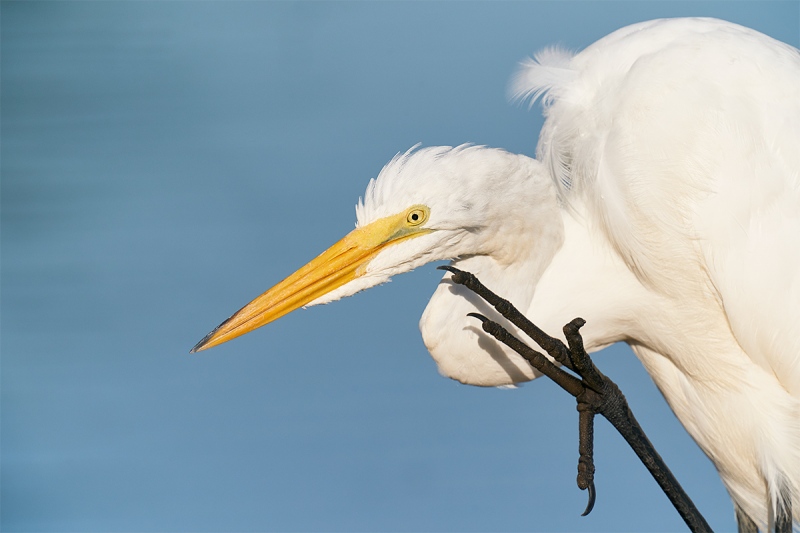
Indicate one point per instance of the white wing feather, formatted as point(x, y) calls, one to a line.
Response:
point(680, 138)
point(543, 74)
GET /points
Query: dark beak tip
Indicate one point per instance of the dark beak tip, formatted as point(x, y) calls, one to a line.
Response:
point(200, 346)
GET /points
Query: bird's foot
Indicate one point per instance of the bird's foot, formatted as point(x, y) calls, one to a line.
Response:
point(587, 390)
point(595, 393)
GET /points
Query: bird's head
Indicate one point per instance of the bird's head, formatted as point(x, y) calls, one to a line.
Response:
point(426, 205)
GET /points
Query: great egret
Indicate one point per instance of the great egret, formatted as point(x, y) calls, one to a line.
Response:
point(663, 207)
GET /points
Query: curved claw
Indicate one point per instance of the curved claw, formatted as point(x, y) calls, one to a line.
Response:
point(458, 276)
point(590, 503)
point(478, 316)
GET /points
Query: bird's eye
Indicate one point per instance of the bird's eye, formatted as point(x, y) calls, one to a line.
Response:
point(417, 216)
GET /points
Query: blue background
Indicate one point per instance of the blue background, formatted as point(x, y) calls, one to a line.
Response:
point(164, 163)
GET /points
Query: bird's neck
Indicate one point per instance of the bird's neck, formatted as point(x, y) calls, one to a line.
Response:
point(526, 232)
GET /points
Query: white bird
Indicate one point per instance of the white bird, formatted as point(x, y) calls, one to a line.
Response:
point(663, 208)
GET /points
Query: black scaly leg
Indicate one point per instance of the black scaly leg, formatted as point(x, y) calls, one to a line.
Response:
point(783, 520)
point(596, 394)
point(744, 523)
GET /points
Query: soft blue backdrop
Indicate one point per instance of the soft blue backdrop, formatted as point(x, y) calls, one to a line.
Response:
point(163, 163)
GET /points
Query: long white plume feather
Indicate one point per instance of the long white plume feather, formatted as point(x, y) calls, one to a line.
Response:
point(545, 73)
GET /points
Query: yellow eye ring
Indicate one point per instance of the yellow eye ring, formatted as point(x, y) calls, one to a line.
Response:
point(417, 216)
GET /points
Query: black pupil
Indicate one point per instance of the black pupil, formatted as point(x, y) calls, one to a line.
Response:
point(414, 217)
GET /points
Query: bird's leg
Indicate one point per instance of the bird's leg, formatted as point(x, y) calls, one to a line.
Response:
point(596, 394)
point(783, 519)
point(744, 523)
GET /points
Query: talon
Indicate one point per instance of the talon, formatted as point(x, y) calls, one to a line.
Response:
point(590, 503)
point(479, 317)
point(492, 328)
point(459, 276)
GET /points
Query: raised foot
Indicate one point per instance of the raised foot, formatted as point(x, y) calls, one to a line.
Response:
point(594, 392)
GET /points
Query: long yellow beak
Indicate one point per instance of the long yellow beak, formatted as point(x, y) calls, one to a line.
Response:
point(341, 263)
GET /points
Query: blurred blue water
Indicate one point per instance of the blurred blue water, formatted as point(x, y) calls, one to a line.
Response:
point(163, 163)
